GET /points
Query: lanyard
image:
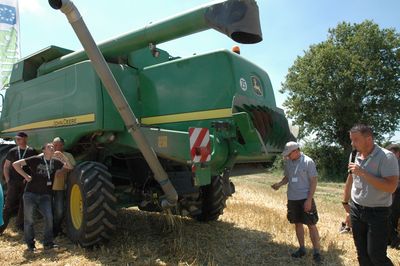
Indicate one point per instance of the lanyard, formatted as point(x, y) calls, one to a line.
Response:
point(366, 163)
point(363, 166)
point(23, 155)
point(47, 168)
point(297, 166)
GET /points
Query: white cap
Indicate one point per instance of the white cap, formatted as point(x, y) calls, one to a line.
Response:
point(289, 147)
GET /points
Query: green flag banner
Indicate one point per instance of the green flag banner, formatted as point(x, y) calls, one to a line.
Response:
point(9, 39)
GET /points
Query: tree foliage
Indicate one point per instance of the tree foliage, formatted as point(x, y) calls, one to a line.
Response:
point(352, 77)
point(331, 161)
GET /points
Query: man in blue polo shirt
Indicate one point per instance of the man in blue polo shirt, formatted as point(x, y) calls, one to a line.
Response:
point(301, 176)
point(372, 179)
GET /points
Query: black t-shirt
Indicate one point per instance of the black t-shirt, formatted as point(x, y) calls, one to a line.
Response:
point(40, 169)
point(16, 154)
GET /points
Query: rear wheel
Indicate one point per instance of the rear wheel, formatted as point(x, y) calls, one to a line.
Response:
point(213, 200)
point(91, 215)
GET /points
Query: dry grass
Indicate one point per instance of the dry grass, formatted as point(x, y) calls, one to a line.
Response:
point(252, 231)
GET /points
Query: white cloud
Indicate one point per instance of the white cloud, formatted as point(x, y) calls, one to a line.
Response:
point(32, 7)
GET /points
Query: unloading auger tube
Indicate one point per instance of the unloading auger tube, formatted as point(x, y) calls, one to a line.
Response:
point(119, 100)
point(237, 19)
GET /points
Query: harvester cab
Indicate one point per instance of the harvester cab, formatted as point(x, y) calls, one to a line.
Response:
point(149, 130)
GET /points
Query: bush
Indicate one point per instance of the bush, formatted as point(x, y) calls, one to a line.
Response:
point(277, 166)
point(331, 161)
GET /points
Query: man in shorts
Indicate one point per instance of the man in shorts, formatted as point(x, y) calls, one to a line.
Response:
point(301, 176)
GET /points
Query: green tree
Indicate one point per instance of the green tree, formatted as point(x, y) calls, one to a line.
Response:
point(352, 77)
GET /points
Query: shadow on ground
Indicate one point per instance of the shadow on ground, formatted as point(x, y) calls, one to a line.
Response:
point(148, 239)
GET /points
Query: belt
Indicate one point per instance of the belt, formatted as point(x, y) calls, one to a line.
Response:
point(368, 208)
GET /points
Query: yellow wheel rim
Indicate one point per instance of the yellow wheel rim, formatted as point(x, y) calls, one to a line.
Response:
point(76, 207)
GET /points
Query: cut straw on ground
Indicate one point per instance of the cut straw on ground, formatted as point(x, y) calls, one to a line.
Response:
point(252, 231)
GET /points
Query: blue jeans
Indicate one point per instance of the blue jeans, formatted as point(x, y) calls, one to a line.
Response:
point(41, 202)
point(370, 232)
point(58, 210)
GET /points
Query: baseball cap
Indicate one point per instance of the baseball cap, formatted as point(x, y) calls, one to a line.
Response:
point(59, 139)
point(289, 147)
point(21, 135)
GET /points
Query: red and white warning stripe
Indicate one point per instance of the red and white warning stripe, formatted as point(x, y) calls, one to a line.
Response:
point(200, 147)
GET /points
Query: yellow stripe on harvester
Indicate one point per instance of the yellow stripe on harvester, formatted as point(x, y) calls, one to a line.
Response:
point(59, 122)
point(201, 115)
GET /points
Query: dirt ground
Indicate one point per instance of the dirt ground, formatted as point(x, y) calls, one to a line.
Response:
point(252, 231)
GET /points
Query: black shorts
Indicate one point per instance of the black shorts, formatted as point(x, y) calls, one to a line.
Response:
point(297, 215)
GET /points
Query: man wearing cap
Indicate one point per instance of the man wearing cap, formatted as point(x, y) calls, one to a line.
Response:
point(300, 174)
point(372, 178)
point(59, 186)
point(15, 182)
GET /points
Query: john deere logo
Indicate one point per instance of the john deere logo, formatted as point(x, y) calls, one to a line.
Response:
point(257, 87)
point(243, 84)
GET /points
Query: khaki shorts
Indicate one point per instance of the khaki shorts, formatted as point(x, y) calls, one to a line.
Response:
point(297, 215)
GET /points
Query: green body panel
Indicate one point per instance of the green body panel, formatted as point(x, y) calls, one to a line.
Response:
point(25, 69)
point(181, 86)
point(127, 79)
point(54, 96)
point(204, 82)
point(189, 82)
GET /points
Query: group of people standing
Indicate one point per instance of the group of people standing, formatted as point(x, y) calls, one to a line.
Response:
point(36, 182)
point(371, 197)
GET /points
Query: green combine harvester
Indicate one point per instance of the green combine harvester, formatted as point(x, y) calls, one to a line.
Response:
point(148, 129)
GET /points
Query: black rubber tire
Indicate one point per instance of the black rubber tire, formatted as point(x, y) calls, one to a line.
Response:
point(92, 182)
point(213, 200)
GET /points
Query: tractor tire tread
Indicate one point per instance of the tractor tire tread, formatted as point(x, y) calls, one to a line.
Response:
point(109, 209)
point(214, 200)
point(94, 190)
point(96, 219)
point(98, 203)
point(108, 195)
point(95, 232)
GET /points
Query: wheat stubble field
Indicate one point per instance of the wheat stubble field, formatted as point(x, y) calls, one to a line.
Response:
point(252, 231)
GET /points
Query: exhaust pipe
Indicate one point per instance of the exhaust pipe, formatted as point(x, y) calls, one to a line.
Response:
point(119, 100)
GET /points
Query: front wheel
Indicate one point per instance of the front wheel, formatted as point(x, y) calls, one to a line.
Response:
point(91, 215)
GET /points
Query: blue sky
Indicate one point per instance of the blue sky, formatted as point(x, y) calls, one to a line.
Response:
point(289, 27)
